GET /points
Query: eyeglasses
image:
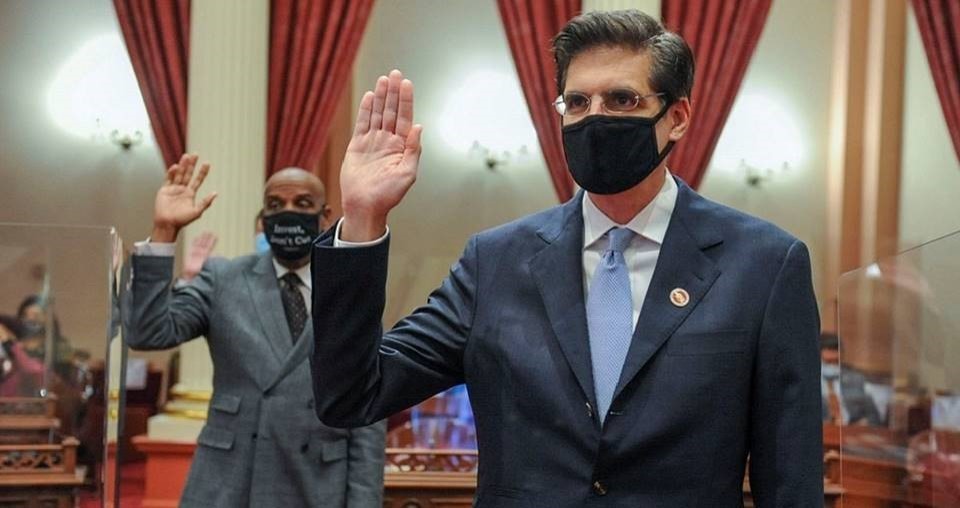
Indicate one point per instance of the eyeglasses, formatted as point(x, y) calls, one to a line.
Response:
point(618, 100)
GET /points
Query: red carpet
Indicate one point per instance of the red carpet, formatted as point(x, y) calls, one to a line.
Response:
point(131, 488)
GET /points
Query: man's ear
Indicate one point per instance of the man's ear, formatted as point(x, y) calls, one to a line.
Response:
point(679, 117)
point(325, 215)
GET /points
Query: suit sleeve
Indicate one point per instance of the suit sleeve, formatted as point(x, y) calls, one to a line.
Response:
point(159, 317)
point(365, 466)
point(361, 376)
point(786, 437)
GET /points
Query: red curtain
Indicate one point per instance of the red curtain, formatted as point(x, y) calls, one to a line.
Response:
point(313, 44)
point(530, 25)
point(157, 35)
point(939, 22)
point(722, 35)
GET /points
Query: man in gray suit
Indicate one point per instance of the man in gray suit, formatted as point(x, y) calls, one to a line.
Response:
point(262, 444)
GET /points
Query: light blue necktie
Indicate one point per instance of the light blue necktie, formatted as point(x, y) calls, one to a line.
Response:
point(610, 318)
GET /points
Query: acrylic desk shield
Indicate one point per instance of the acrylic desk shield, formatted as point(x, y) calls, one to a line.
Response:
point(896, 438)
point(60, 396)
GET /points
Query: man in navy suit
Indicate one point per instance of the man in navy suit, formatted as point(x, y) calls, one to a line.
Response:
point(628, 348)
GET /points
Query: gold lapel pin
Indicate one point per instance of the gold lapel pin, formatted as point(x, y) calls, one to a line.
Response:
point(679, 297)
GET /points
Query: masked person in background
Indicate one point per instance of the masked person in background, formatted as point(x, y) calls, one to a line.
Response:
point(32, 315)
point(20, 374)
point(260, 243)
point(262, 444)
point(846, 400)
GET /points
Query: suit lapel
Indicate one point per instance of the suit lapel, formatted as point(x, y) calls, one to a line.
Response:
point(558, 272)
point(265, 292)
point(681, 265)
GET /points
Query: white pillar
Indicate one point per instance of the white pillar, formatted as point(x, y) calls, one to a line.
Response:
point(226, 126)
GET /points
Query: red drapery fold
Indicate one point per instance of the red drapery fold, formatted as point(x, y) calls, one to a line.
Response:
point(530, 26)
point(313, 44)
point(939, 23)
point(723, 36)
point(157, 35)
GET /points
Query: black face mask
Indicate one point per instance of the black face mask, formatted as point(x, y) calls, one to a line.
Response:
point(291, 234)
point(610, 154)
point(34, 329)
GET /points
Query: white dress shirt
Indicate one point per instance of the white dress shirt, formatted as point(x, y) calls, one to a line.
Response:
point(148, 248)
point(650, 226)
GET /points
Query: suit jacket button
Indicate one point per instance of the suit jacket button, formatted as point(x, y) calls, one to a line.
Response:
point(254, 436)
point(599, 488)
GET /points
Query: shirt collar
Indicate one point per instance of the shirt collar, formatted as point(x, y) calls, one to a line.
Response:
point(651, 223)
point(303, 272)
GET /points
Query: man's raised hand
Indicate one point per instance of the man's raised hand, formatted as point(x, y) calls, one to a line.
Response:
point(381, 161)
point(176, 204)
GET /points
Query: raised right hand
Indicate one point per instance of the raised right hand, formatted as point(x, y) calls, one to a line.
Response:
point(381, 161)
point(176, 204)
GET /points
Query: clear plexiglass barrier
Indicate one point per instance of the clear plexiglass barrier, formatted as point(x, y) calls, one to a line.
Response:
point(892, 409)
point(60, 365)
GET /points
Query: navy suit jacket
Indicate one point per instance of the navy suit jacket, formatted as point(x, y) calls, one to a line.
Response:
point(734, 372)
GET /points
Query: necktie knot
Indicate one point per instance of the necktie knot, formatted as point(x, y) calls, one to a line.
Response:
point(619, 239)
point(291, 279)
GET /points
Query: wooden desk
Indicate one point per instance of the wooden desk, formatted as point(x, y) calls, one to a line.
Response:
point(429, 489)
point(40, 475)
point(168, 463)
point(870, 464)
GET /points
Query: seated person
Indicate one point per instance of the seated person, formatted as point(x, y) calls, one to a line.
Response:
point(20, 375)
point(32, 315)
point(845, 398)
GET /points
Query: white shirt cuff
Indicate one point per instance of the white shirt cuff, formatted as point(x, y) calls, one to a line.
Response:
point(337, 242)
point(148, 248)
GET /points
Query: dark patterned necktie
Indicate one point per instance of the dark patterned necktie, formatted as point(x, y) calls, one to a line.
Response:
point(293, 305)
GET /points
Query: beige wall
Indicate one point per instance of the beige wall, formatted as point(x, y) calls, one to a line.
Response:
point(929, 207)
point(792, 61)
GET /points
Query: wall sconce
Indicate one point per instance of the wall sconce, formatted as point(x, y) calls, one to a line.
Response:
point(760, 140)
point(756, 177)
point(95, 95)
point(486, 118)
point(126, 141)
point(491, 159)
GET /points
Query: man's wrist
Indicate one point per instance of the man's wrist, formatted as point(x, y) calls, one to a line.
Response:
point(164, 234)
point(362, 229)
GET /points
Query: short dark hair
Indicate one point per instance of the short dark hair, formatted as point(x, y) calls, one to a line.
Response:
point(672, 66)
point(829, 341)
point(27, 302)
